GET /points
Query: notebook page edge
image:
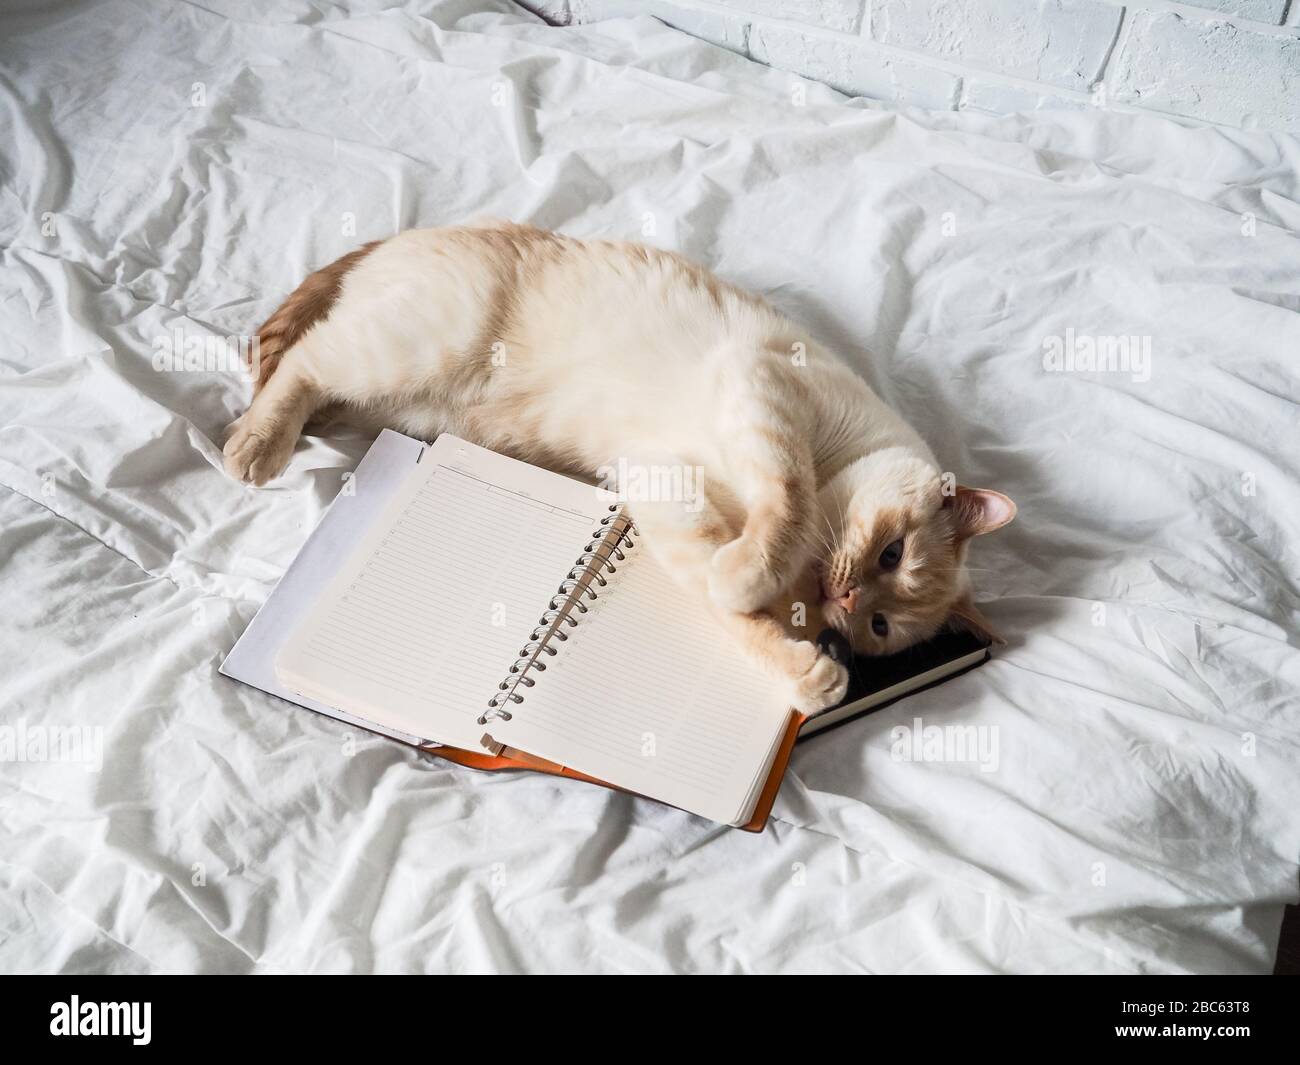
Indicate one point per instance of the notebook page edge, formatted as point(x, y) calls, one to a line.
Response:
point(382, 469)
point(496, 471)
point(765, 738)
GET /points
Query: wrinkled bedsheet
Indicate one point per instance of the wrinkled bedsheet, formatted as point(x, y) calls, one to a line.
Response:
point(1135, 802)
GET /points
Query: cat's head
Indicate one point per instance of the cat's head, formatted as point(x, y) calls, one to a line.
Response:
point(891, 570)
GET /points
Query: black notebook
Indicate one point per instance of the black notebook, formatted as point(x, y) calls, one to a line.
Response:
point(875, 682)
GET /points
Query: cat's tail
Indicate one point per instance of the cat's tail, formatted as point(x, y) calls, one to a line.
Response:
point(307, 304)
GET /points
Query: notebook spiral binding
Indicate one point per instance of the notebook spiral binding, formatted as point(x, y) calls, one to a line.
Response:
point(567, 598)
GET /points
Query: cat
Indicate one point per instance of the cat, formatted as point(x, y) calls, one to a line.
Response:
point(817, 505)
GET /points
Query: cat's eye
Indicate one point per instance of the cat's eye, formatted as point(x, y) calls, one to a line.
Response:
point(892, 555)
point(879, 625)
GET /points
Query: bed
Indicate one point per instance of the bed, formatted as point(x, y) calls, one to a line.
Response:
point(171, 170)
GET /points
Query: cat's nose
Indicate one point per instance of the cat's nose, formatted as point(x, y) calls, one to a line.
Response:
point(849, 600)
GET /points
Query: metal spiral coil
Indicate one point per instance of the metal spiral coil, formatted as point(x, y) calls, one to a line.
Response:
point(560, 608)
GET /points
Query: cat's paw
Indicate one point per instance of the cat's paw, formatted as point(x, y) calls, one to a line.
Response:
point(740, 579)
point(256, 452)
point(817, 680)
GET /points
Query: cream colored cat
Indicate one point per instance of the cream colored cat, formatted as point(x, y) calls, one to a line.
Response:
point(819, 505)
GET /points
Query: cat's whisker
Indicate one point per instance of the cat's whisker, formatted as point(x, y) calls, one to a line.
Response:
point(827, 541)
point(830, 527)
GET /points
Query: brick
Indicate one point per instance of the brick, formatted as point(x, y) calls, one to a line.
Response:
point(1271, 11)
point(854, 68)
point(981, 94)
point(1210, 70)
point(1059, 42)
point(843, 15)
point(726, 31)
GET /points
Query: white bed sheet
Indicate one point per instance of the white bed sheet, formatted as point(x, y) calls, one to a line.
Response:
point(1145, 810)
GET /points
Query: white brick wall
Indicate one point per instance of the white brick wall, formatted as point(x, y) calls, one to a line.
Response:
point(1232, 62)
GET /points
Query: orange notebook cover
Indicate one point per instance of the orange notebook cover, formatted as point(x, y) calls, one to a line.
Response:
point(520, 760)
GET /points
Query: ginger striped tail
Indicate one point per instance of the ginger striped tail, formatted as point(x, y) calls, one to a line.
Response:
point(306, 305)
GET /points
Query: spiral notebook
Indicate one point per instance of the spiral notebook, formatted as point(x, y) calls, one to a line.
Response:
point(504, 616)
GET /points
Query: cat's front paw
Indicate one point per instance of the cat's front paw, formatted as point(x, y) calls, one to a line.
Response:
point(740, 578)
point(256, 452)
point(818, 681)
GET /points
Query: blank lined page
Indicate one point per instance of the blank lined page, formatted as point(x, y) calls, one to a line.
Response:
point(648, 692)
point(425, 619)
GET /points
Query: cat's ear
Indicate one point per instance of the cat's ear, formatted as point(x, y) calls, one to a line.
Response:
point(966, 616)
point(979, 511)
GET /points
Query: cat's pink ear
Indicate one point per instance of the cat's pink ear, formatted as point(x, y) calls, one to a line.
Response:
point(966, 615)
point(979, 511)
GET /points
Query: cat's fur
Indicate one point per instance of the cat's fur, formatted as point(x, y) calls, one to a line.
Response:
point(575, 355)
